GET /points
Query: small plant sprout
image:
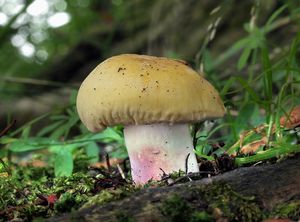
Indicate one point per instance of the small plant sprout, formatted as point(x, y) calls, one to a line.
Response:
point(155, 99)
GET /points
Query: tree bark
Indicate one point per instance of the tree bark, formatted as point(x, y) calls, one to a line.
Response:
point(269, 184)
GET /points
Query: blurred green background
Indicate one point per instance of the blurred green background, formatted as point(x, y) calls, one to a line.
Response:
point(249, 50)
point(48, 47)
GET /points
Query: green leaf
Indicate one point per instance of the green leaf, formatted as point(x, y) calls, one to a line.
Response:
point(92, 151)
point(49, 128)
point(120, 152)
point(242, 120)
point(7, 140)
point(243, 43)
point(198, 153)
point(108, 135)
point(30, 123)
point(63, 129)
point(59, 132)
point(59, 117)
point(230, 52)
point(244, 58)
point(26, 132)
point(227, 86)
point(268, 80)
point(257, 38)
point(71, 122)
point(274, 16)
point(249, 89)
point(268, 75)
point(280, 149)
point(63, 162)
point(73, 97)
point(256, 117)
point(30, 144)
point(207, 61)
point(71, 146)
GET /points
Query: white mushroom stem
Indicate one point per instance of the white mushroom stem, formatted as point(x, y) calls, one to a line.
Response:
point(157, 149)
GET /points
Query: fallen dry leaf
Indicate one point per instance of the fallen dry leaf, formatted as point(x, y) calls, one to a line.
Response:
point(253, 146)
point(7, 128)
point(47, 200)
point(289, 121)
point(33, 163)
point(112, 161)
point(292, 120)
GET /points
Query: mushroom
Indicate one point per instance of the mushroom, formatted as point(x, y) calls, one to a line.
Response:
point(156, 99)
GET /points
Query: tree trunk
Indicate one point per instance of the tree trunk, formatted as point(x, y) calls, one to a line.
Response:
point(257, 189)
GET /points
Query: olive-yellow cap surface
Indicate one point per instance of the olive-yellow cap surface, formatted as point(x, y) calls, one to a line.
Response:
point(134, 89)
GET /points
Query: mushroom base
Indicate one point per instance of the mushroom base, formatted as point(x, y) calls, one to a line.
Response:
point(157, 149)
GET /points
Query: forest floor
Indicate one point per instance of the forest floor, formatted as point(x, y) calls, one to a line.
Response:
point(254, 193)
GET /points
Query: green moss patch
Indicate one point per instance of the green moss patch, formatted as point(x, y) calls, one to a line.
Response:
point(214, 202)
point(32, 192)
point(289, 210)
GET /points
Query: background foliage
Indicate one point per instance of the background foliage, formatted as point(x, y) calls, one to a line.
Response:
point(249, 50)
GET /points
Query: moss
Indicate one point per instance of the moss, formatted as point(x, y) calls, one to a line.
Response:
point(214, 202)
point(151, 212)
point(232, 205)
point(20, 193)
point(176, 209)
point(122, 216)
point(177, 174)
point(78, 182)
point(66, 203)
point(23, 195)
point(101, 198)
point(289, 210)
point(172, 176)
point(201, 216)
point(106, 196)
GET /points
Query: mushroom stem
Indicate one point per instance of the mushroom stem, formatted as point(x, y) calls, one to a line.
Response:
point(157, 149)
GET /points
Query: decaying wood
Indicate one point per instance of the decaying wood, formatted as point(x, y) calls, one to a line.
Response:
point(269, 184)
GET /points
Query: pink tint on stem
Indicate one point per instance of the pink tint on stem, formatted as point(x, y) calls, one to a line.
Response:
point(148, 163)
point(156, 149)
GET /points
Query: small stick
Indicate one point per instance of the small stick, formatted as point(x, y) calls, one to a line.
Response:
point(121, 171)
point(186, 163)
point(107, 162)
point(164, 173)
point(5, 130)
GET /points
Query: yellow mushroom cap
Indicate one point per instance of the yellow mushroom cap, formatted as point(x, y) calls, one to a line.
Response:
point(134, 89)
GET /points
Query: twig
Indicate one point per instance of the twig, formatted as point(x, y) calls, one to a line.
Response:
point(186, 163)
point(121, 172)
point(107, 162)
point(164, 173)
point(8, 127)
